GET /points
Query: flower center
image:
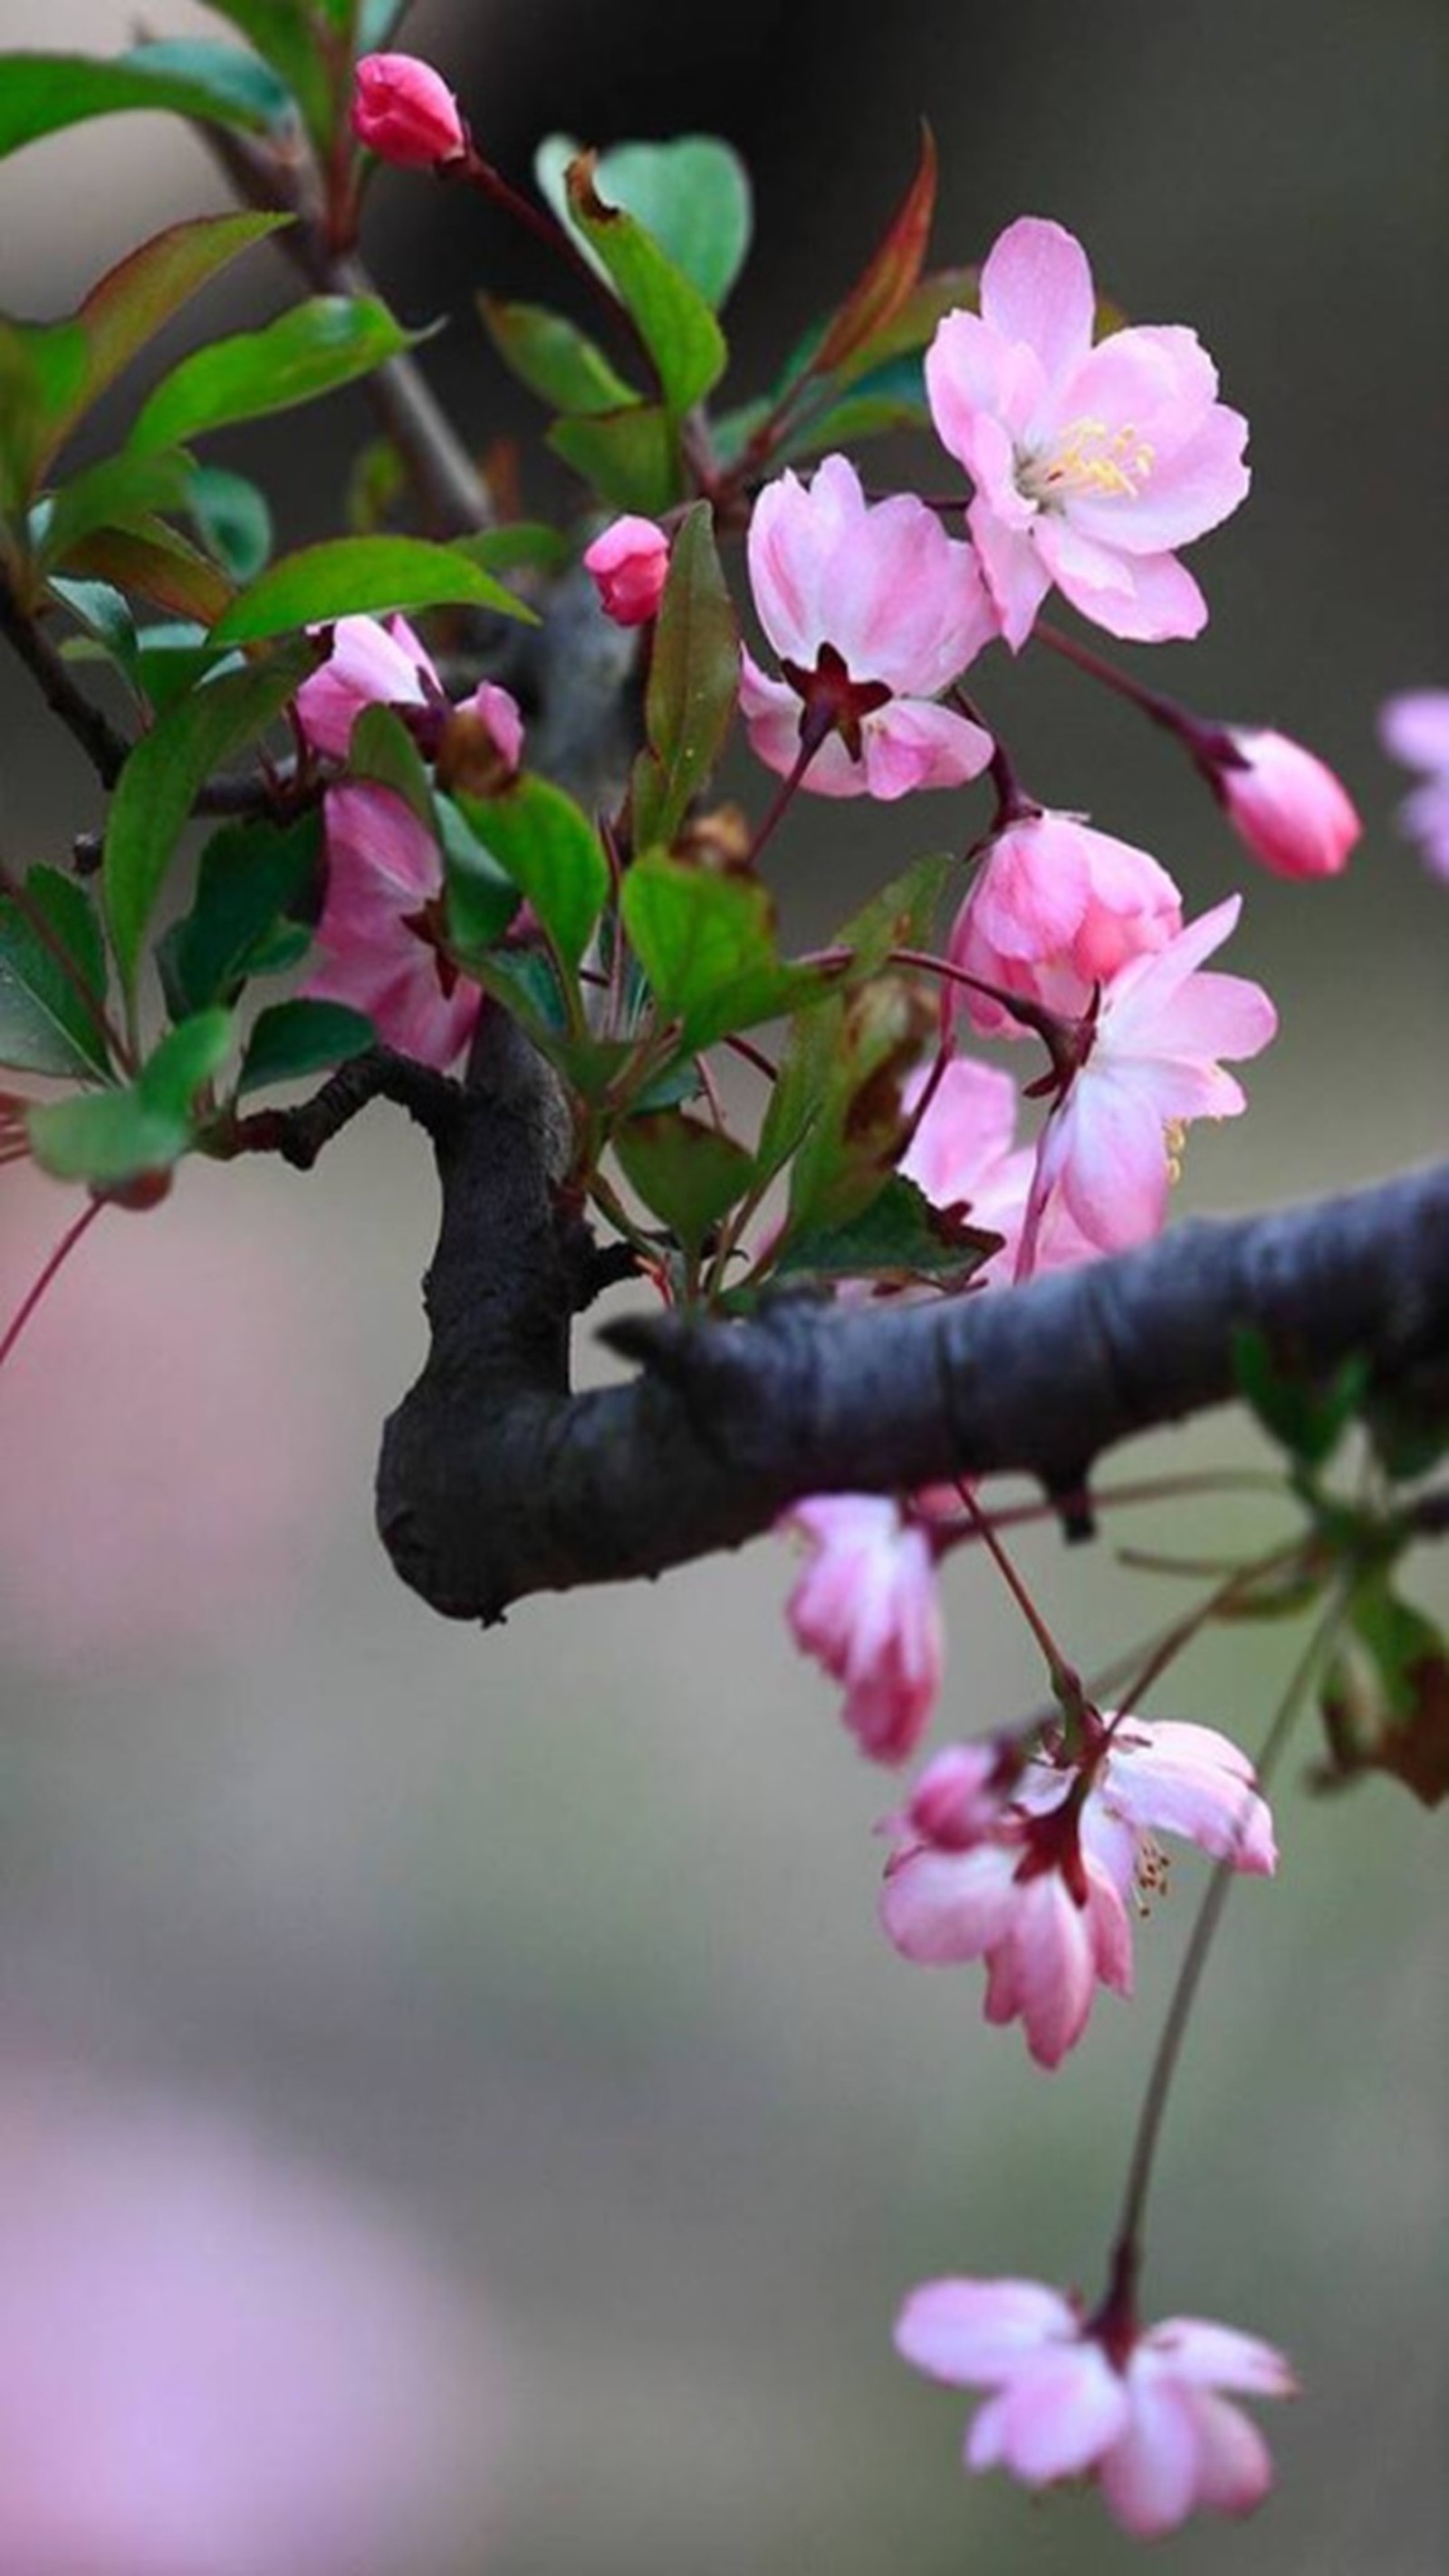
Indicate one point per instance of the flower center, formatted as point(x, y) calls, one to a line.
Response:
point(1089, 461)
point(833, 702)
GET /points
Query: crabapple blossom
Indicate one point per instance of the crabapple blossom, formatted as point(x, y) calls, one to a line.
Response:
point(873, 611)
point(963, 1153)
point(628, 562)
point(1285, 804)
point(1038, 1885)
point(1141, 2411)
point(405, 112)
point(866, 1608)
point(384, 663)
point(1414, 727)
point(381, 925)
point(1056, 908)
point(1150, 1063)
point(1090, 465)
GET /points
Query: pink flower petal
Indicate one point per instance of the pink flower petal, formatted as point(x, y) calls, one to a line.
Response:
point(1208, 2355)
point(938, 1908)
point(1036, 286)
point(1058, 2415)
point(1149, 2476)
point(973, 2334)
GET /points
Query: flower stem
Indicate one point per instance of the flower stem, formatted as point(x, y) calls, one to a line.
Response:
point(1065, 1681)
point(38, 1286)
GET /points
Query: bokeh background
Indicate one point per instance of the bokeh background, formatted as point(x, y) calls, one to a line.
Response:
point(541, 1967)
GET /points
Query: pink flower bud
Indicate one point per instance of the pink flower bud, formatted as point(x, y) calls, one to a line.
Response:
point(1286, 805)
point(1055, 909)
point(629, 562)
point(405, 112)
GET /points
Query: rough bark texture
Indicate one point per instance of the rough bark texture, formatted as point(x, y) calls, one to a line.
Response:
point(495, 1482)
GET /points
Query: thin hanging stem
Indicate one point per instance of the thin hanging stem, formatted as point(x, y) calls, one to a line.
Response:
point(38, 1287)
point(1065, 1681)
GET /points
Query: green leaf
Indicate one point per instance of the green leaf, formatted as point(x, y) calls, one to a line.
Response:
point(688, 1173)
point(897, 1237)
point(159, 565)
point(1386, 1697)
point(160, 781)
point(851, 1074)
point(519, 545)
point(243, 89)
point(297, 1038)
point(691, 194)
point(353, 576)
point(890, 397)
point(694, 679)
point(1305, 1416)
point(281, 31)
point(251, 877)
point(232, 519)
point(482, 897)
point(175, 656)
point(629, 458)
point(553, 357)
point(707, 944)
point(120, 492)
point(45, 1026)
point(551, 851)
point(890, 274)
point(41, 93)
point(41, 367)
point(117, 1137)
point(381, 748)
point(322, 344)
point(676, 325)
point(900, 916)
point(104, 614)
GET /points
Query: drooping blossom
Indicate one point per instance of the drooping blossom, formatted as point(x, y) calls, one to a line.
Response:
point(628, 562)
point(1054, 909)
point(873, 611)
point(1141, 2412)
point(1039, 1886)
point(381, 928)
point(866, 1608)
point(1285, 804)
point(1151, 1063)
point(1090, 465)
point(1414, 728)
point(964, 1153)
point(376, 662)
point(405, 112)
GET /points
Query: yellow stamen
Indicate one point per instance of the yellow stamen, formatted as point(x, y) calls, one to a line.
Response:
point(1091, 459)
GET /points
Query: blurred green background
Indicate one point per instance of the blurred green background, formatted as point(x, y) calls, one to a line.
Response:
point(560, 1941)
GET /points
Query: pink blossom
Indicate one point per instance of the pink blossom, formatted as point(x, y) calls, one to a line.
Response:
point(1056, 908)
point(866, 1608)
point(629, 562)
point(1414, 728)
point(873, 611)
point(1090, 465)
point(1285, 804)
point(963, 1154)
point(405, 112)
point(1140, 2411)
point(381, 928)
point(1108, 1149)
point(1038, 1884)
point(371, 663)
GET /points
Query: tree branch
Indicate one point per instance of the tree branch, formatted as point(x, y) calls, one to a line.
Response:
point(495, 1482)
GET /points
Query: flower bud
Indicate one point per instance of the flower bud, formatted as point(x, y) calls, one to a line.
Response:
point(629, 562)
point(405, 112)
point(1285, 805)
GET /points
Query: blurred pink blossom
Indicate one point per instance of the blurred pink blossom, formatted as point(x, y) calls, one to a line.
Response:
point(1414, 728)
point(381, 929)
point(873, 611)
point(866, 1608)
point(1038, 1885)
point(1140, 2412)
point(1285, 804)
point(1108, 1149)
point(405, 112)
point(215, 2364)
point(629, 561)
point(1054, 909)
point(1090, 465)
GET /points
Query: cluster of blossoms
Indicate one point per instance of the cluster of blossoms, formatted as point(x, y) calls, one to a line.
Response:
point(1091, 463)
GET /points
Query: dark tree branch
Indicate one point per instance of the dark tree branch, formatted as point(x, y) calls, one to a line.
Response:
point(105, 747)
point(300, 1134)
point(495, 1482)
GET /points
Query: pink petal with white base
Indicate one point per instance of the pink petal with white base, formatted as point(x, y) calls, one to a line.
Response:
point(972, 2334)
point(1053, 2420)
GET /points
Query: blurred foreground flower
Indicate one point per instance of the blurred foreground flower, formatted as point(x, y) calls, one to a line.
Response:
point(1414, 727)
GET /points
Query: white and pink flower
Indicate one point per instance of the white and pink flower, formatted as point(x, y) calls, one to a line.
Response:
point(866, 1608)
point(1414, 728)
point(381, 930)
point(1054, 909)
point(1039, 1884)
point(1107, 1152)
point(375, 662)
point(964, 1154)
point(1090, 465)
point(873, 611)
point(1143, 2413)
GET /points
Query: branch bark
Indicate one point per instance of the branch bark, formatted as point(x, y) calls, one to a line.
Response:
point(496, 1482)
